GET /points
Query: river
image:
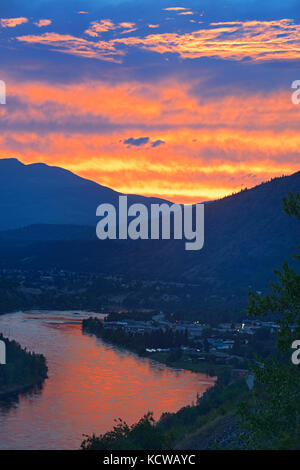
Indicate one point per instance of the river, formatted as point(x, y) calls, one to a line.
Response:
point(90, 384)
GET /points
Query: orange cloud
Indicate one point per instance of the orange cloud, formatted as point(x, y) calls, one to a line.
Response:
point(186, 13)
point(255, 40)
point(97, 27)
point(42, 23)
point(213, 146)
point(127, 25)
point(102, 26)
point(12, 22)
point(74, 45)
point(174, 8)
point(169, 172)
point(258, 40)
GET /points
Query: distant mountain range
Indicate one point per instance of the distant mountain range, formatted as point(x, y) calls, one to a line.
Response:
point(42, 194)
point(247, 235)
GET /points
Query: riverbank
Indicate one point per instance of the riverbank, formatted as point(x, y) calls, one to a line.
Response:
point(132, 343)
point(211, 423)
point(15, 390)
point(23, 369)
point(90, 385)
point(203, 366)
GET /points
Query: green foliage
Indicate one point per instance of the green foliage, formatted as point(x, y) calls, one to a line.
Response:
point(22, 368)
point(143, 435)
point(217, 402)
point(291, 205)
point(285, 294)
point(283, 300)
point(160, 338)
point(172, 427)
point(272, 419)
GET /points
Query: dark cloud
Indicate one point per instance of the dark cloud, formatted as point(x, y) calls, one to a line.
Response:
point(156, 143)
point(137, 142)
point(143, 141)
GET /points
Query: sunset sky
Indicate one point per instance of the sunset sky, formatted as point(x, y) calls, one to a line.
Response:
point(186, 100)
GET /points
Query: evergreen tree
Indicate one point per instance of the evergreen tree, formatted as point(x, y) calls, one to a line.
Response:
point(272, 419)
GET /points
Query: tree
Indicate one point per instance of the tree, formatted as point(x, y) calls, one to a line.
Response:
point(272, 419)
point(285, 296)
point(143, 435)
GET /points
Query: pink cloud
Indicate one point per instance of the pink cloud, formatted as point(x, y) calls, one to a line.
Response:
point(69, 44)
point(97, 27)
point(12, 22)
point(42, 23)
point(256, 40)
point(235, 40)
point(186, 13)
point(102, 26)
point(174, 8)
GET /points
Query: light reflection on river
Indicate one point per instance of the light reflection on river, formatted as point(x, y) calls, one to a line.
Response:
point(90, 384)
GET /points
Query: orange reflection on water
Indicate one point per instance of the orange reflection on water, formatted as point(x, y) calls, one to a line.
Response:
point(90, 384)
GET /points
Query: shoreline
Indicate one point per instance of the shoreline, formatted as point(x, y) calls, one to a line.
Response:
point(209, 369)
point(16, 390)
point(203, 367)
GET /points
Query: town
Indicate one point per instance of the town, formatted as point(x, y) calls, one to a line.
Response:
point(192, 345)
point(169, 324)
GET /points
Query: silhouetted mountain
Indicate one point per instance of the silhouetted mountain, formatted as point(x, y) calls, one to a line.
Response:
point(42, 194)
point(247, 235)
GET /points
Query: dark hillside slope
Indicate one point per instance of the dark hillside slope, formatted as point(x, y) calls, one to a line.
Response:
point(247, 235)
point(42, 194)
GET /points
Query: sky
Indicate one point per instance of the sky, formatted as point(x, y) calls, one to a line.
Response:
point(185, 100)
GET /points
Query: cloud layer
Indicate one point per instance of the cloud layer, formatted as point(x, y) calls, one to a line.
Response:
point(177, 145)
point(251, 40)
point(162, 100)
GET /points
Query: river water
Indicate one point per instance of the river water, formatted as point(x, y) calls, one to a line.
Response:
point(90, 384)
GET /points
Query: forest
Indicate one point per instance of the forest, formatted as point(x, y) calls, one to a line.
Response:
point(22, 369)
point(138, 342)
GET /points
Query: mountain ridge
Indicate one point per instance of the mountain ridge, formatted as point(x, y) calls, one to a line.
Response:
point(41, 194)
point(247, 235)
